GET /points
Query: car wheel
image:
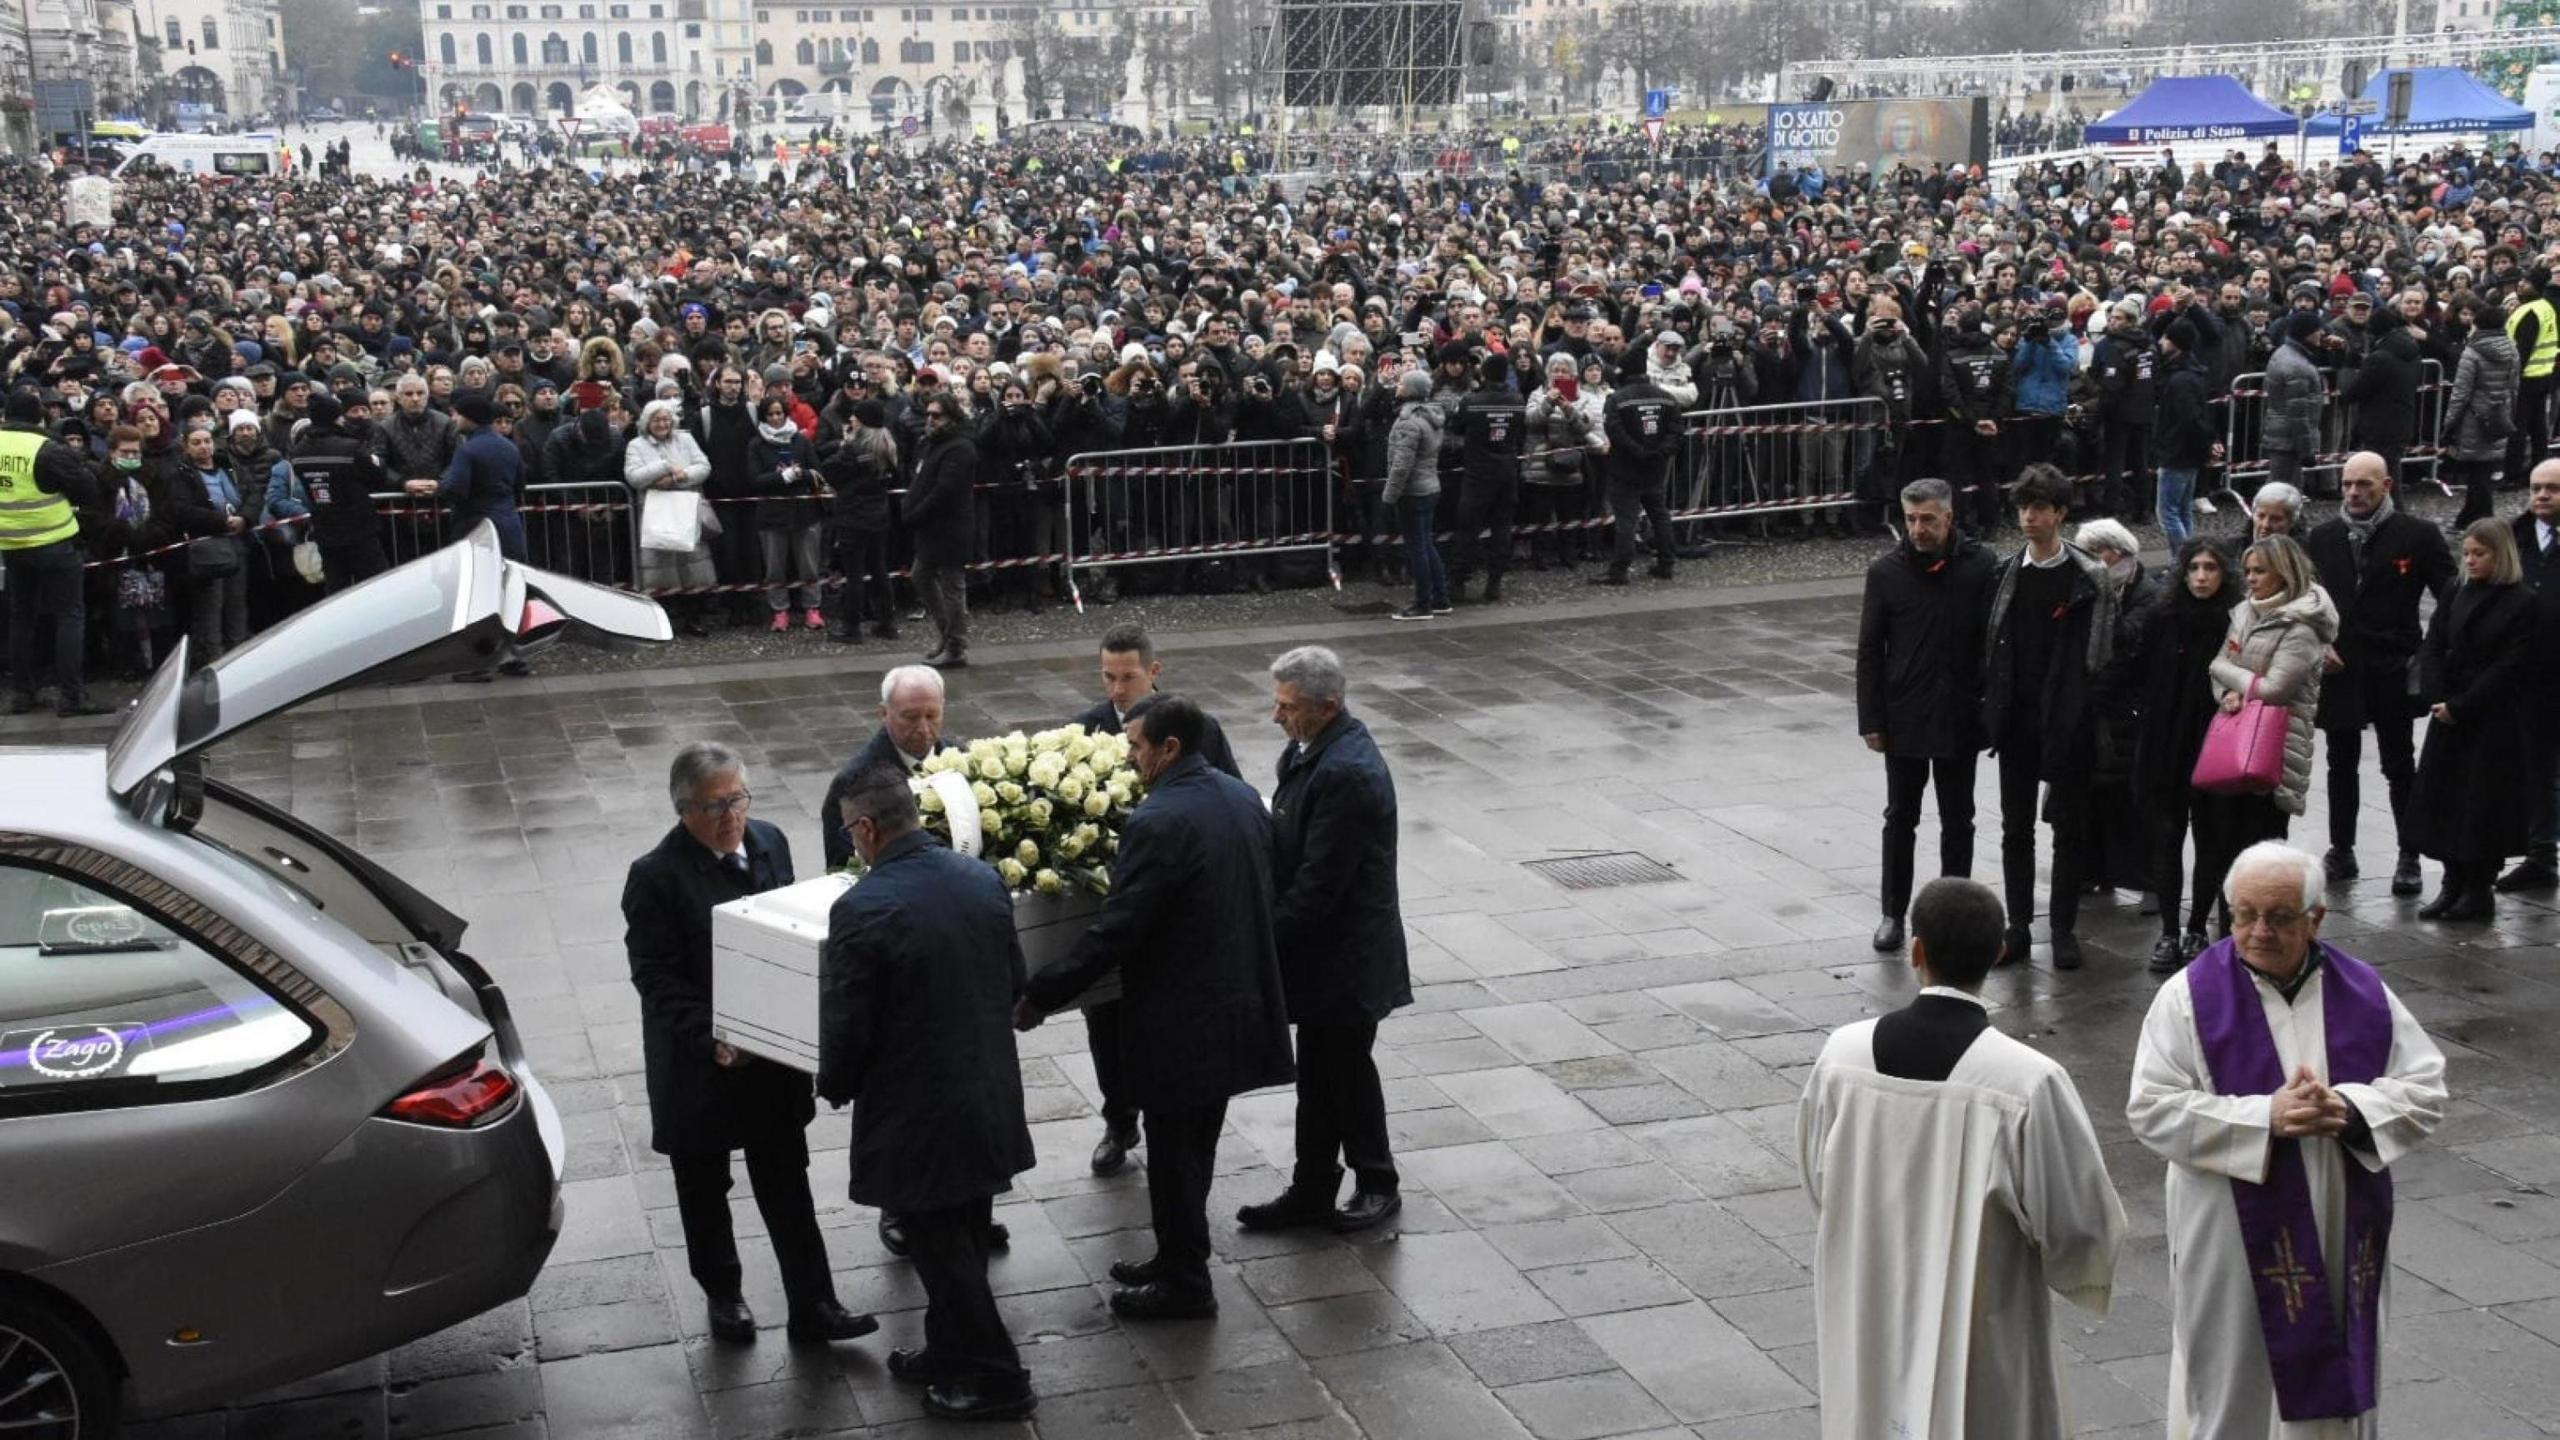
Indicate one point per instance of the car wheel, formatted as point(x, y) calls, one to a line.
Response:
point(54, 1382)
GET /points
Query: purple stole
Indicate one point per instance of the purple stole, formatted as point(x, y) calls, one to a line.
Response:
point(2319, 1372)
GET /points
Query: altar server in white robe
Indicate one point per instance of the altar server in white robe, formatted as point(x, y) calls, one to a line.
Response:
point(1956, 1181)
point(2280, 1078)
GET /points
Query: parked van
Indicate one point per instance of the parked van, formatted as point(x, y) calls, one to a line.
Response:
point(230, 157)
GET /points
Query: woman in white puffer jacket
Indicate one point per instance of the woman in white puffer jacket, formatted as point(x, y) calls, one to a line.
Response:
point(2278, 634)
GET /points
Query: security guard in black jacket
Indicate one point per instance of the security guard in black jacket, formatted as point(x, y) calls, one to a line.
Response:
point(1981, 391)
point(1489, 425)
point(1643, 426)
point(341, 472)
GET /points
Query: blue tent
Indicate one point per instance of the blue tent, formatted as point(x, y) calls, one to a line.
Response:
point(2191, 107)
point(2441, 100)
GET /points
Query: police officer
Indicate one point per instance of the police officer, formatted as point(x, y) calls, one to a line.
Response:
point(2535, 327)
point(40, 478)
point(2122, 369)
point(1643, 426)
point(341, 472)
point(1489, 426)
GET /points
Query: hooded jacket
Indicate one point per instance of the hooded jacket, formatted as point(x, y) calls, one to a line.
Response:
point(1413, 451)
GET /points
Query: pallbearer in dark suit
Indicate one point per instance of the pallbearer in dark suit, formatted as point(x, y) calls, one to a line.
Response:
point(1130, 671)
point(2538, 551)
point(1340, 932)
point(706, 1099)
point(1188, 926)
point(915, 1008)
point(911, 703)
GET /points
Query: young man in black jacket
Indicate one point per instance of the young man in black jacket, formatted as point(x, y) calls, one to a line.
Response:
point(1919, 686)
point(2051, 632)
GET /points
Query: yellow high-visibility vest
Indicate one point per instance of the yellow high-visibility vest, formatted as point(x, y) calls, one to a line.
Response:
point(2546, 339)
point(28, 516)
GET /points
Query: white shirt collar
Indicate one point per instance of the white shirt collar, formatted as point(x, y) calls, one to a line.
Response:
point(2060, 554)
point(1952, 993)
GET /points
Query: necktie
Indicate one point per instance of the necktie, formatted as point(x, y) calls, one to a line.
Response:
point(735, 864)
point(2547, 537)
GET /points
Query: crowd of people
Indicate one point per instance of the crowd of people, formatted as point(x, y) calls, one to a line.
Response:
point(372, 362)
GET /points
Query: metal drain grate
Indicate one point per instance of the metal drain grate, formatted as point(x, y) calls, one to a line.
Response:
point(1604, 871)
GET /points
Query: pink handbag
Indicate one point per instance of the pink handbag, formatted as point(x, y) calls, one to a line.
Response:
point(2244, 749)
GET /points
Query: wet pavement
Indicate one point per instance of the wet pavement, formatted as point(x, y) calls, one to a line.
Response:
point(1593, 1096)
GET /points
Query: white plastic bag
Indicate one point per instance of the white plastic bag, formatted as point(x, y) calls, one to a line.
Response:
point(671, 520)
point(306, 562)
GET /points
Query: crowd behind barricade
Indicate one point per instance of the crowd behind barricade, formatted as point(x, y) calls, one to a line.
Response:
point(884, 361)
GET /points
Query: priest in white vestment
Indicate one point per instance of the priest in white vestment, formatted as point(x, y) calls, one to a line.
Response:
point(1956, 1180)
point(2280, 1078)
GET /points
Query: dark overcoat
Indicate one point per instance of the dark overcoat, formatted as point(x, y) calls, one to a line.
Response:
point(1103, 720)
point(1338, 923)
point(2377, 601)
point(697, 1106)
point(915, 1027)
point(2471, 802)
point(1920, 649)
point(1188, 926)
point(878, 751)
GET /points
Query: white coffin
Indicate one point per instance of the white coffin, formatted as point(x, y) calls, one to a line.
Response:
point(764, 962)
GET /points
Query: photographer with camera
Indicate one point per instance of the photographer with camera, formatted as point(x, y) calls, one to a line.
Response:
point(1017, 459)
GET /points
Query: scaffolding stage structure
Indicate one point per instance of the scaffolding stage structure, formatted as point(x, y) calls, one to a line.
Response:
point(1343, 63)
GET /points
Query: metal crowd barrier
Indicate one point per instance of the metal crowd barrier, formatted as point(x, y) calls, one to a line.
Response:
point(588, 529)
point(1198, 502)
point(1773, 459)
point(2244, 440)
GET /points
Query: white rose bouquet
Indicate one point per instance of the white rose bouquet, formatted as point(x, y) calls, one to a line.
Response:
point(1050, 805)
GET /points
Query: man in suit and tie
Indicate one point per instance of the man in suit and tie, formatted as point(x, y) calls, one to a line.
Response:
point(1130, 671)
point(2376, 561)
point(915, 1009)
point(1188, 926)
point(911, 701)
point(1340, 931)
point(2538, 546)
point(705, 1098)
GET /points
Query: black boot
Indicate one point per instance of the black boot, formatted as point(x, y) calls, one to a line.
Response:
point(2477, 903)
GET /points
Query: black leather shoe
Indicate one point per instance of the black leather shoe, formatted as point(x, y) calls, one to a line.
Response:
point(2405, 879)
point(1157, 1301)
point(1134, 1273)
point(998, 1240)
point(733, 1322)
point(2166, 956)
point(910, 1366)
point(2066, 952)
point(2441, 906)
point(2529, 875)
point(2339, 864)
point(1294, 1209)
point(1367, 1208)
point(1111, 1155)
point(2014, 946)
point(827, 1323)
point(2471, 907)
point(1889, 934)
point(893, 1235)
point(959, 1400)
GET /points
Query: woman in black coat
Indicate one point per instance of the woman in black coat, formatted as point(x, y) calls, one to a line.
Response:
point(1016, 456)
point(861, 473)
point(2471, 812)
point(2114, 853)
point(2178, 642)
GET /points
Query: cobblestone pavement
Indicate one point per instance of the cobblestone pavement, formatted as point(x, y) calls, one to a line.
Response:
point(1593, 1095)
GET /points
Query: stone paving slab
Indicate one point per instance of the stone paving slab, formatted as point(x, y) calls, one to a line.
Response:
point(1592, 1097)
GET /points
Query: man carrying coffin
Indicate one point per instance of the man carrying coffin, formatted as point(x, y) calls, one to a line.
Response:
point(2281, 1079)
point(1956, 1179)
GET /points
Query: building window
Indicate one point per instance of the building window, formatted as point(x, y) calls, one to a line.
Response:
point(587, 47)
point(177, 37)
point(693, 32)
point(444, 49)
point(764, 53)
point(515, 12)
point(551, 12)
point(520, 49)
point(212, 35)
point(658, 48)
point(915, 52)
point(622, 48)
point(618, 12)
point(870, 52)
point(487, 53)
point(555, 51)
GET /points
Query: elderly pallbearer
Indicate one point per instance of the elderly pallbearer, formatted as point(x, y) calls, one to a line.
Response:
point(915, 1015)
point(1340, 930)
point(911, 710)
point(1957, 1180)
point(2281, 1079)
point(707, 1099)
